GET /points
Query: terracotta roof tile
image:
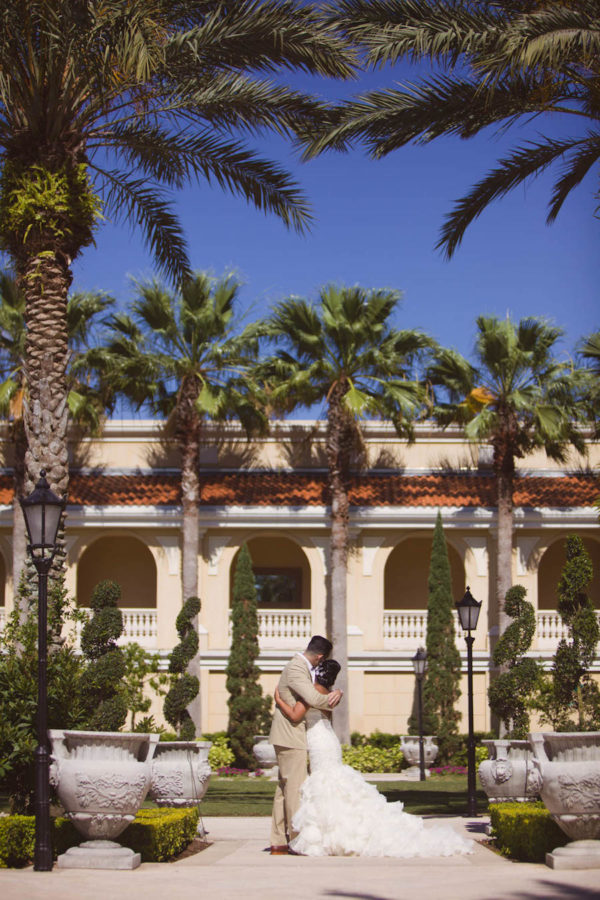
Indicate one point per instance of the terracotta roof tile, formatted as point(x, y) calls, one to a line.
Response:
point(300, 489)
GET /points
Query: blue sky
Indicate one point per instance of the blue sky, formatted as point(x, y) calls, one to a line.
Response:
point(377, 224)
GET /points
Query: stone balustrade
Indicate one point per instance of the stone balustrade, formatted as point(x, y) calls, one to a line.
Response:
point(283, 628)
point(139, 625)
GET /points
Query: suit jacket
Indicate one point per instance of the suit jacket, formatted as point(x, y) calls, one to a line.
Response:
point(295, 683)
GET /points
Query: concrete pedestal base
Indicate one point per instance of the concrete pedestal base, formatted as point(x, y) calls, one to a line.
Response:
point(99, 855)
point(576, 855)
point(413, 773)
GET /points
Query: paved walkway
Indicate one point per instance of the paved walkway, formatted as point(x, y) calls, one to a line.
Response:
point(236, 866)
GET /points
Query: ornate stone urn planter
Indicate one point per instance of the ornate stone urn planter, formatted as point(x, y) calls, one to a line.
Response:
point(569, 766)
point(409, 744)
point(264, 754)
point(102, 779)
point(509, 774)
point(180, 773)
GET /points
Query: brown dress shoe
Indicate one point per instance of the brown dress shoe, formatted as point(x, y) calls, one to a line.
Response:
point(281, 850)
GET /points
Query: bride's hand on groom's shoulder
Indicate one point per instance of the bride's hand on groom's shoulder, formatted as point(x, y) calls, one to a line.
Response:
point(335, 697)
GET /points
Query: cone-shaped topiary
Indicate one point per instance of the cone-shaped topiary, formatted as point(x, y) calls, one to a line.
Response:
point(106, 708)
point(511, 690)
point(184, 687)
point(441, 688)
point(247, 706)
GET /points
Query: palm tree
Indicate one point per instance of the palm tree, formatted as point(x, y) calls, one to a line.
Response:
point(182, 356)
point(345, 354)
point(589, 351)
point(493, 63)
point(517, 397)
point(85, 405)
point(105, 105)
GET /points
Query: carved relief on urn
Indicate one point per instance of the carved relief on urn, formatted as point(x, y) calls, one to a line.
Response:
point(569, 766)
point(180, 772)
point(509, 774)
point(102, 779)
point(410, 748)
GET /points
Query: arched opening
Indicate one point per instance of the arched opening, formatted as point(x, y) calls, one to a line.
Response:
point(123, 559)
point(551, 566)
point(407, 574)
point(281, 573)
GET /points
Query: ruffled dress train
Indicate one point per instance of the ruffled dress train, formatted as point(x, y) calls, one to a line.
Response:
point(341, 814)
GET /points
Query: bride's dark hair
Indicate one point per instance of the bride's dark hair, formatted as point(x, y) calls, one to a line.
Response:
point(327, 672)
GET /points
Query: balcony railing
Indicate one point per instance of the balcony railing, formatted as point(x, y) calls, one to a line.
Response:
point(283, 628)
point(408, 627)
point(139, 626)
point(551, 629)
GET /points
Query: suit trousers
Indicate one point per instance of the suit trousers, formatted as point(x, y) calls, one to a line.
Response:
point(292, 773)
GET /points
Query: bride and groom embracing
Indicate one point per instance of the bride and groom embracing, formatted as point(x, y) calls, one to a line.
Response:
point(334, 811)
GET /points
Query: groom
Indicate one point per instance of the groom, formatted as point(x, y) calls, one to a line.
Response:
point(289, 738)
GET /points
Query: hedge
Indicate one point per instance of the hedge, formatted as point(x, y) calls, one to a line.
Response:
point(373, 759)
point(525, 831)
point(158, 834)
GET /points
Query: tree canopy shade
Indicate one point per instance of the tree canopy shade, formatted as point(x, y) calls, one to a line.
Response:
point(343, 352)
point(518, 397)
point(494, 63)
point(104, 107)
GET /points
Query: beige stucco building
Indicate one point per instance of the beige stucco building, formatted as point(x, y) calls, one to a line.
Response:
point(124, 522)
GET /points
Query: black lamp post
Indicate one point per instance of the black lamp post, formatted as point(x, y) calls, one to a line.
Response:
point(42, 511)
point(468, 612)
point(419, 662)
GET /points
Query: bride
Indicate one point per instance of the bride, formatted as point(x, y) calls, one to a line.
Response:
point(343, 815)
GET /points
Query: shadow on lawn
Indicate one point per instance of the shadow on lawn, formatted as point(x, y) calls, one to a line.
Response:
point(433, 802)
point(551, 891)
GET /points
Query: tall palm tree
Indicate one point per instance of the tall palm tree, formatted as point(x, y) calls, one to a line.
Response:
point(343, 352)
point(493, 63)
point(183, 356)
point(105, 105)
point(85, 405)
point(517, 397)
point(589, 351)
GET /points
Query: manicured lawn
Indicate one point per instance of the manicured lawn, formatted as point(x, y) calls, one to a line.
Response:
point(445, 795)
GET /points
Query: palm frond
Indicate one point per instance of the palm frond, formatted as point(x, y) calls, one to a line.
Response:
point(526, 161)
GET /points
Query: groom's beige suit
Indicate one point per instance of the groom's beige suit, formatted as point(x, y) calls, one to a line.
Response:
point(289, 740)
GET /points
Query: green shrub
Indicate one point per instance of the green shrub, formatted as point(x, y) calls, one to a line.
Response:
point(220, 754)
point(453, 749)
point(104, 702)
point(160, 834)
point(382, 739)
point(525, 831)
point(373, 759)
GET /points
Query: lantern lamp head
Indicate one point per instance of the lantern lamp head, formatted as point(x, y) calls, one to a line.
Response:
point(419, 662)
point(468, 611)
point(42, 510)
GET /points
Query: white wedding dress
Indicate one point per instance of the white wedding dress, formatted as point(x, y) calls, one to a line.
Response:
point(341, 814)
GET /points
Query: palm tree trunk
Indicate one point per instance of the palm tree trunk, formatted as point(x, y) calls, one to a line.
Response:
point(504, 467)
point(337, 619)
point(188, 433)
point(19, 532)
point(44, 280)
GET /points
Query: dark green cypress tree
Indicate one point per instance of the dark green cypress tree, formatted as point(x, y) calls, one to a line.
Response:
point(106, 708)
point(184, 686)
point(441, 688)
point(573, 688)
point(247, 706)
